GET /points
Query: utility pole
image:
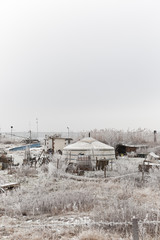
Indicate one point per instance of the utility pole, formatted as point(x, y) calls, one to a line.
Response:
point(68, 136)
point(11, 132)
point(37, 126)
point(30, 136)
point(68, 131)
point(155, 136)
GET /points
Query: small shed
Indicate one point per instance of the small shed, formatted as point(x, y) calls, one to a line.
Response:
point(138, 150)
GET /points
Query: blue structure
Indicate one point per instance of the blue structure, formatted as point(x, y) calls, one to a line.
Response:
point(24, 147)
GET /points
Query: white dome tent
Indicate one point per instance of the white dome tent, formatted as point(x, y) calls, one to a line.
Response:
point(89, 149)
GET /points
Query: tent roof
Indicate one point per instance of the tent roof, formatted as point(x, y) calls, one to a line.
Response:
point(88, 144)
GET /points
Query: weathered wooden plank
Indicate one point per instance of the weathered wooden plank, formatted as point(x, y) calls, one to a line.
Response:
point(9, 185)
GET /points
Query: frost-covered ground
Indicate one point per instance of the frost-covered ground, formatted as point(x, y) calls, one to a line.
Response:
point(51, 204)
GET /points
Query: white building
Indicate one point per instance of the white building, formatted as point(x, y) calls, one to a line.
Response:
point(56, 144)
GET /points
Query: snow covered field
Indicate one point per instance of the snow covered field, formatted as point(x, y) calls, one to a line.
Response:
point(51, 204)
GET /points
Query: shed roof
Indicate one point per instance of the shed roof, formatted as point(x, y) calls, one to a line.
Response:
point(134, 145)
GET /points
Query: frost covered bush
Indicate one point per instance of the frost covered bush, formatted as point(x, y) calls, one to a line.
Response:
point(41, 202)
point(52, 170)
point(122, 200)
point(56, 166)
point(125, 165)
point(44, 168)
point(26, 171)
point(113, 136)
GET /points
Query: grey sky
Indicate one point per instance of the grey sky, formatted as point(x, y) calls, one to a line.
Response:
point(79, 63)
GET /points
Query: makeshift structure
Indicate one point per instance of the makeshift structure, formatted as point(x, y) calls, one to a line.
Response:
point(89, 152)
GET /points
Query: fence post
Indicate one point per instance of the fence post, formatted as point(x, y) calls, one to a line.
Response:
point(143, 166)
point(111, 165)
point(57, 163)
point(104, 171)
point(156, 230)
point(135, 231)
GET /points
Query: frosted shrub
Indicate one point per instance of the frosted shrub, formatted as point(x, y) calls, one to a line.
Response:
point(126, 165)
point(114, 137)
point(123, 200)
point(52, 170)
point(44, 168)
point(56, 166)
point(41, 202)
point(26, 171)
point(153, 179)
point(58, 160)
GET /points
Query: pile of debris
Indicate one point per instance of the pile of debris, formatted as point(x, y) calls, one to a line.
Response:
point(151, 162)
point(5, 161)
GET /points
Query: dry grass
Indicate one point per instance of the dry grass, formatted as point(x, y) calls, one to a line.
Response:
point(117, 200)
point(47, 195)
point(92, 235)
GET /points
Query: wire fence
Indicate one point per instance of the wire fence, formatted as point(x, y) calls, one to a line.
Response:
point(137, 228)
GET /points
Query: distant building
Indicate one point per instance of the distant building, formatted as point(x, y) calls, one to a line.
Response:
point(134, 150)
point(55, 144)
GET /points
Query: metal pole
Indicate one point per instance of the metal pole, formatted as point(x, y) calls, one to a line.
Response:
point(30, 136)
point(11, 132)
point(37, 126)
point(155, 136)
point(68, 131)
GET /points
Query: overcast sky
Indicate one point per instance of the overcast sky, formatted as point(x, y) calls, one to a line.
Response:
point(84, 64)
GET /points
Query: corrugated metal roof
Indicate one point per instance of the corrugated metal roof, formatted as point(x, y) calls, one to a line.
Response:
point(134, 145)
